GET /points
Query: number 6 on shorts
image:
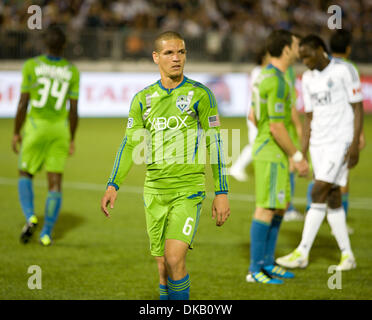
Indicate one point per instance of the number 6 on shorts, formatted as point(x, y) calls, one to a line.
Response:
point(187, 227)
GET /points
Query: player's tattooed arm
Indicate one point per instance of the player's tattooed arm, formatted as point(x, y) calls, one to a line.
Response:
point(19, 120)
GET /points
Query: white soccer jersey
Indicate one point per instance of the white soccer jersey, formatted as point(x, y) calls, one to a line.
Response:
point(252, 129)
point(255, 73)
point(328, 94)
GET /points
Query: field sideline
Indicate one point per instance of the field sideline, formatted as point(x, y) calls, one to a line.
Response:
point(98, 258)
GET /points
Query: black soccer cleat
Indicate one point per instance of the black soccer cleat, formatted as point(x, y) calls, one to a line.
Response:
point(27, 232)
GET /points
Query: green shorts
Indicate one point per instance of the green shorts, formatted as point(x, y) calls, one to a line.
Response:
point(44, 143)
point(272, 184)
point(172, 216)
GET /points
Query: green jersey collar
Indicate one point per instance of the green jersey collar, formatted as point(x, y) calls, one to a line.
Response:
point(53, 58)
point(270, 66)
point(170, 90)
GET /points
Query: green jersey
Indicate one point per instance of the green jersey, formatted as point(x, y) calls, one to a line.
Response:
point(271, 101)
point(173, 123)
point(50, 82)
point(290, 77)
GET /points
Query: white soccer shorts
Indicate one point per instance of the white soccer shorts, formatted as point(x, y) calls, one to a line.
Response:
point(328, 163)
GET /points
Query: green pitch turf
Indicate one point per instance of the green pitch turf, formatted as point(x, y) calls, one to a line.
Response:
point(98, 258)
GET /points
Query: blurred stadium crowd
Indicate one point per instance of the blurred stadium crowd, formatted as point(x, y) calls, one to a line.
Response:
point(216, 30)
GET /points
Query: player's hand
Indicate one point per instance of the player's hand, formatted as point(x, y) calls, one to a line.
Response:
point(108, 198)
point(352, 156)
point(362, 141)
point(220, 209)
point(17, 140)
point(71, 150)
point(302, 167)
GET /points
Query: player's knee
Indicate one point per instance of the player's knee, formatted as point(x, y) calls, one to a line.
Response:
point(54, 182)
point(319, 192)
point(334, 198)
point(174, 263)
point(54, 188)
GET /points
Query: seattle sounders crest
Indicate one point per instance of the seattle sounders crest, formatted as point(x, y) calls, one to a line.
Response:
point(182, 102)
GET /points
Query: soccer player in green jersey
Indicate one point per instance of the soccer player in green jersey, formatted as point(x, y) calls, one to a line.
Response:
point(272, 148)
point(48, 81)
point(173, 112)
point(295, 133)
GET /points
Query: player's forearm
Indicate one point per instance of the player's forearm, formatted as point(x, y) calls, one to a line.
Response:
point(282, 138)
point(358, 122)
point(306, 133)
point(21, 113)
point(297, 122)
point(73, 118)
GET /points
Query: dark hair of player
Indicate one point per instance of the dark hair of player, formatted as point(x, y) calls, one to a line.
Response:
point(277, 40)
point(167, 35)
point(258, 59)
point(340, 40)
point(54, 39)
point(314, 42)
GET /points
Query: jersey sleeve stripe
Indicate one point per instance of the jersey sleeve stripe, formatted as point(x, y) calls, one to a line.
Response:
point(281, 88)
point(224, 172)
point(212, 100)
point(219, 165)
point(117, 160)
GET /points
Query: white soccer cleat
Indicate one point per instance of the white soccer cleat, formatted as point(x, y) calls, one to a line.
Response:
point(293, 260)
point(238, 174)
point(293, 215)
point(347, 262)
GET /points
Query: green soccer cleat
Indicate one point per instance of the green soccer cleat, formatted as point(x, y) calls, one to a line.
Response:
point(293, 260)
point(28, 230)
point(45, 240)
point(261, 277)
point(277, 271)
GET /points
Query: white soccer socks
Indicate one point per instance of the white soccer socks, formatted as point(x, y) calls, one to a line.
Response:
point(313, 220)
point(337, 221)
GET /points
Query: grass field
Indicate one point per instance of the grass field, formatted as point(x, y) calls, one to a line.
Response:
point(97, 258)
